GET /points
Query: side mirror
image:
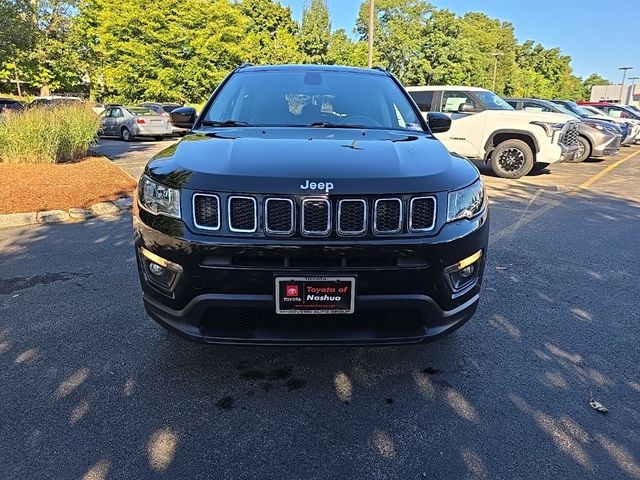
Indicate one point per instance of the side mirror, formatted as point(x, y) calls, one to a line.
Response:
point(467, 108)
point(183, 117)
point(438, 122)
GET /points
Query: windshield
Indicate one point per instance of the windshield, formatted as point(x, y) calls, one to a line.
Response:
point(563, 109)
point(492, 101)
point(312, 98)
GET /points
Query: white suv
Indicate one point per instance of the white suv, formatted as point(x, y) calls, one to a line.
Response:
point(485, 127)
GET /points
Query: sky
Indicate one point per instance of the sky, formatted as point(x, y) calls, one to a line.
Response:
point(553, 23)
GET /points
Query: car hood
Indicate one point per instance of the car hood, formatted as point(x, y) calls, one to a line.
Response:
point(282, 160)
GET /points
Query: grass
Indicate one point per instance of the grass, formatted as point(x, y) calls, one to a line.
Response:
point(48, 134)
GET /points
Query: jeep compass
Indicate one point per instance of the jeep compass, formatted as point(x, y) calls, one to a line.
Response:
point(310, 205)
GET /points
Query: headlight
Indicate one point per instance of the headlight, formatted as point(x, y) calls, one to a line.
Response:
point(467, 202)
point(595, 125)
point(549, 127)
point(158, 199)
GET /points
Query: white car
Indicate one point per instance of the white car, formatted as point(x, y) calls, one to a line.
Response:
point(484, 127)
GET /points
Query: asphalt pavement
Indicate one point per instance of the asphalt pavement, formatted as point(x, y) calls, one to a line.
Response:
point(132, 156)
point(93, 389)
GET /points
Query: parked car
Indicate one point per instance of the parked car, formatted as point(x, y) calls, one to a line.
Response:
point(10, 104)
point(486, 128)
point(165, 109)
point(52, 100)
point(614, 109)
point(596, 138)
point(588, 111)
point(130, 122)
point(310, 205)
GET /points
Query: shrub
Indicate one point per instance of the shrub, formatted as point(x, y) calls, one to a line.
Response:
point(48, 134)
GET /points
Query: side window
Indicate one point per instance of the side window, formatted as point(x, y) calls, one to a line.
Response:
point(107, 113)
point(534, 107)
point(614, 112)
point(117, 113)
point(513, 103)
point(423, 100)
point(451, 101)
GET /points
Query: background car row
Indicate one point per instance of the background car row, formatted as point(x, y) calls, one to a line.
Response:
point(518, 135)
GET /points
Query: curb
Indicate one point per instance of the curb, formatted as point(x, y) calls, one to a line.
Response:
point(100, 209)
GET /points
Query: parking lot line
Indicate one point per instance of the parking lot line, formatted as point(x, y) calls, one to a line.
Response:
point(528, 217)
point(606, 170)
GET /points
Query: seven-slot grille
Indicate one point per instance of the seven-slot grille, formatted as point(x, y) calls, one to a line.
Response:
point(422, 214)
point(243, 214)
point(314, 216)
point(279, 216)
point(206, 211)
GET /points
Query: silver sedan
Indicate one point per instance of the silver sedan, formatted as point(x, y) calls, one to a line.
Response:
point(130, 122)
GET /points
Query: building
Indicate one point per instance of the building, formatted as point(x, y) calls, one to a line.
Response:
point(611, 93)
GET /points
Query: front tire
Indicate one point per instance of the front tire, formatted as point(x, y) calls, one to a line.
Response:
point(584, 150)
point(125, 134)
point(512, 159)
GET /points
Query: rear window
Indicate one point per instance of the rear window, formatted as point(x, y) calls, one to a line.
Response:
point(10, 106)
point(140, 111)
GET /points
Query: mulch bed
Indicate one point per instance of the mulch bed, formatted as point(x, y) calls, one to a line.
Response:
point(35, 188)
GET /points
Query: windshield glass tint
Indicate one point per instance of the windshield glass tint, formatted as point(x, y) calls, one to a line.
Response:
point(302, 98)
point(492, 101)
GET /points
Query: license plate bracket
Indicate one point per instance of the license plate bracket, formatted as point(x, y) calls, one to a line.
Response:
point(315, 295)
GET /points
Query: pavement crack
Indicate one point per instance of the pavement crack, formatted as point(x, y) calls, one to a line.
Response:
point(15, 284)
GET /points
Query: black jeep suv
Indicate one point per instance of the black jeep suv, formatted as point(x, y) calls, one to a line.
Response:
point(310, 205)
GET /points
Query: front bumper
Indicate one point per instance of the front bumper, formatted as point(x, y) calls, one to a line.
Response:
point(225, 291)
point(605, 143)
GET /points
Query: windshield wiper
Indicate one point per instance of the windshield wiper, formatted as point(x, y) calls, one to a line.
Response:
point(334, 125)
point(225, 123)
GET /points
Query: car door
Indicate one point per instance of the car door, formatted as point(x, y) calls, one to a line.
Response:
point(119, 121)
point(106, 122)
point(465, 137)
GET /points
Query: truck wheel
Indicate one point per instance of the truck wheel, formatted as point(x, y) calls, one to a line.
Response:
point(512, 159)
point(584, 150)
point(125, 134)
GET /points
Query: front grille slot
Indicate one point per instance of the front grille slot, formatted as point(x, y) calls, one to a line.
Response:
point(352, 217)
point(422, 214)
point(316, 216)
point(243, 214)
point(569, 137)
point(206, 211)
point(278, 216)
point(387, 216)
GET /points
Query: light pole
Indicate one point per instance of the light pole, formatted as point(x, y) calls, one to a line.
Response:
point(495, 68)
point(370, 36)
point(633, 84)
point(624, 74)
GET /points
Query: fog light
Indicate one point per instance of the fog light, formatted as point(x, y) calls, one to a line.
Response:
point(161, 272)
point(463, 275)
point(467, 271)
point(156, 269)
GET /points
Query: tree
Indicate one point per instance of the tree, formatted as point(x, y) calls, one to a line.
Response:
point(343, 51)
point(162, 49)
point(398, 27)
point(315, 32)
point(271, 32)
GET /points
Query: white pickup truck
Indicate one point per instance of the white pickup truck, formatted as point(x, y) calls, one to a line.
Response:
point(484, 127)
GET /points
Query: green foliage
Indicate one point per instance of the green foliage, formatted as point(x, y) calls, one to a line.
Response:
point(48, 135)
point(315, 32)
point(179, 50)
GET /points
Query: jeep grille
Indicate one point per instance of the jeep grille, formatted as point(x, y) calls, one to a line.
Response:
point(387, 215)
point(206, 211)
point(422, 212)
point(316, 216)
point(279, 216)
point(243, 215)
point(352, 217)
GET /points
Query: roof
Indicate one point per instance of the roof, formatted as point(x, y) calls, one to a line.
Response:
point(9, 99)
point(310, 68)
point(429, 88)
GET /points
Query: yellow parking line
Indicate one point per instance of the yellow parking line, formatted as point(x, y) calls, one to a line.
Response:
point(602, 173)
point(528, 217)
